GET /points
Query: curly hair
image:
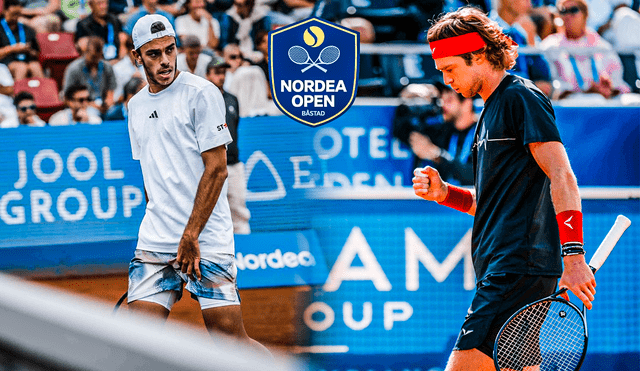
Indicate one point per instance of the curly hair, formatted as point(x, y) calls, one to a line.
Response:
point(500, 50)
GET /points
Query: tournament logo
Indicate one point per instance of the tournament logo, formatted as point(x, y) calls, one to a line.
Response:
point(75, 8)
point(313, 70)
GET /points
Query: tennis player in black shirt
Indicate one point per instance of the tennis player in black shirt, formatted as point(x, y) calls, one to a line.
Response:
point(526, 203)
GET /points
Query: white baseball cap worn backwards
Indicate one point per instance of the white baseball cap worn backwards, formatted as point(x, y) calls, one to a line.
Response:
point(150, 27)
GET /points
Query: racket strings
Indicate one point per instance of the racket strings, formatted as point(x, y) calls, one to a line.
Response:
point(298, 55)
point(550, 334)
point(329, 55)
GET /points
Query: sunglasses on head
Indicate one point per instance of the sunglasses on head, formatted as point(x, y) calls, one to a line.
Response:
point(571, 10)
point(26, 108)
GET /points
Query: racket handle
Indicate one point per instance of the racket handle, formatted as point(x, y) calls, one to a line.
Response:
point(609, 242)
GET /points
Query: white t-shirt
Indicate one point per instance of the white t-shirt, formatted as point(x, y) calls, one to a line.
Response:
point(168, 131)
point(201, 64)
point(8, 114)
point(65, 117)
point(124, 70)
point(186, 25)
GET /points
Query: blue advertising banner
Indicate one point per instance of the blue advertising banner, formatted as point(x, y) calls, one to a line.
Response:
point(279, 259)
point(603, 144)
point(398, 278)
point(401, 279)
point(74, 205)
point(358, 151)
point(84, 186)
point(63, 185)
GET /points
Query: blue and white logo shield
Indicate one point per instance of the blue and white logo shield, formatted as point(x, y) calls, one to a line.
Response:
point(313, 70)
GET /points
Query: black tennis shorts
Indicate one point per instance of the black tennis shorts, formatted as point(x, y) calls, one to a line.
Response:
point(497, 298)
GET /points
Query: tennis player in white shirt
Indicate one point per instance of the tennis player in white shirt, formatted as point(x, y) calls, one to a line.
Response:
point(178, 133)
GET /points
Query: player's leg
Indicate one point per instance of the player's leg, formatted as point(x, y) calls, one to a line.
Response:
point(156, 305)
point(469, 360)
point(218, 296)
point(497, 297)
point(154, 286)
point(228, 319)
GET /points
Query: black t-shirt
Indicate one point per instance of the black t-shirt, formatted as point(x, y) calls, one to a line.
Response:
point(90, 27)
point(514, 229)
point(457, 167)
point(232, 119)
point(30, 38)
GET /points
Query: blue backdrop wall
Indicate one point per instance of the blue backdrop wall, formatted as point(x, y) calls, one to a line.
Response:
point(393, 276)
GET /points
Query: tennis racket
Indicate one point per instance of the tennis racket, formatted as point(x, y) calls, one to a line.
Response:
point(551, 333)
point(299, 55)
point(328, 55)
point(120, 301)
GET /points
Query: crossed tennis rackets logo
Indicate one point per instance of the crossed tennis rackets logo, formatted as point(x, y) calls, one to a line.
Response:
point(300, 56)
point(313, 70)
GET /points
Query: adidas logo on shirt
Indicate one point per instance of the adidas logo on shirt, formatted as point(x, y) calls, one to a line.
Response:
point(154, 115)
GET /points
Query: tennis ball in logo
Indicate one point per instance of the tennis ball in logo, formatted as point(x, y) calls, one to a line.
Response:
point(313, 36)
point(73, 8)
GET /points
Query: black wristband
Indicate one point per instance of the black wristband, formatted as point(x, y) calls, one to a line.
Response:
point(572, 248)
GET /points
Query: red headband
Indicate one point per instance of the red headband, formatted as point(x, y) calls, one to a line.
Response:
point(457, 45)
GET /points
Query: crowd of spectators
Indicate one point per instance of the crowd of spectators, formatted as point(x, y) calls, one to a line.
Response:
point(577, 44)
point(573, 54)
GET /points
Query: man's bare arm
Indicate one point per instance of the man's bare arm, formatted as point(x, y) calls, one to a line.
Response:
point(209, 188)
point(553, 160)
point(428, 184)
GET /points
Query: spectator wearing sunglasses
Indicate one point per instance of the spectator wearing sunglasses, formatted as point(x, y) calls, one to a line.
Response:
point(233, 57)
point(596, 72)
point(248, 83)
point(93, 71)
point(26, 108)
point(77, 99)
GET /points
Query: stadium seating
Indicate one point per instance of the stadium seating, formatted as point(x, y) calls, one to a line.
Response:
point(391, 19)
point(402, 70)
point(45, 93)
point(57, 50)
point(371, 81)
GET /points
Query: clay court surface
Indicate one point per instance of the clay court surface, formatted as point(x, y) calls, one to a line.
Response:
point(271, 316)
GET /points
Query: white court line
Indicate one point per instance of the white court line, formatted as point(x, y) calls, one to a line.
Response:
point(406, 193)
point(322, 349)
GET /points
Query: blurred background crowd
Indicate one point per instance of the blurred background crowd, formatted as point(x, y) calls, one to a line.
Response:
point(64, 62)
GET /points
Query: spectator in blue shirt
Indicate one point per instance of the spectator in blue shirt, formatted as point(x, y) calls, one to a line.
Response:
point(511, 15)
point(148, 7)
point(120, 111)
